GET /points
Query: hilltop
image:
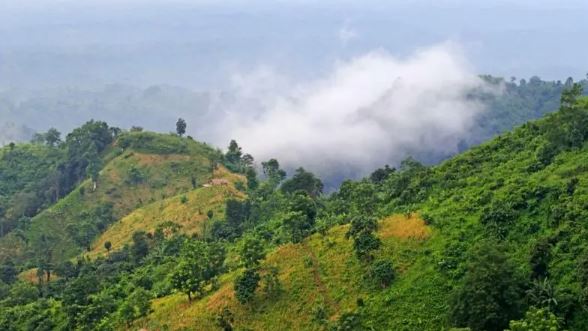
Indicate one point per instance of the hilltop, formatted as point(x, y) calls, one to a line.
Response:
point(139, 168)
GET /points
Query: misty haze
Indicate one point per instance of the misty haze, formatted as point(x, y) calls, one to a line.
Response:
point(311, 77)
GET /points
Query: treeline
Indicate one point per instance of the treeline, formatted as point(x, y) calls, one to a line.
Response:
point(34, 176)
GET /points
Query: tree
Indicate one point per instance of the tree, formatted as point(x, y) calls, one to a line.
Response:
point(271, 169)
point(140, 247)
point(361, 224)
point(246, 284)
point(140, 301)
point(381, 273)
point(67, 270)
point(303, 181)
point(251, 176)
point(52, 137)
point(198, 266)
point(234, 153)
point(301, 216)
point(247, 160)
point(82, 233)
point(380, 175)
point(236, 213)
point(108, 246)
point(364, 241)
point(540, 257)
point(181, 127)
point(570, 95)
point(251, 251)
point(8, 273)
point(364, 244)
point(491, 293)
point(187, 277)
point(44, 247)
point(77, 296)
point(22, 293)
point(536, 320)
point(498, 217)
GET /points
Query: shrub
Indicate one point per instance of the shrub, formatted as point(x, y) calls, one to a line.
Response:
point(381, 273)
point(491, 293)
point(246, 284)
point(536, 320)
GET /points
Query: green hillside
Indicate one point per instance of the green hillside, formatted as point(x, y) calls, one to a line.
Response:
point(492, 239)
point(140, 168)
point(508, 194)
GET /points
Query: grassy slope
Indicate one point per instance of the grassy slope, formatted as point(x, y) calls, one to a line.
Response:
point(320, 272)
point(191, 214)
point(167, 164)
point(495, 171)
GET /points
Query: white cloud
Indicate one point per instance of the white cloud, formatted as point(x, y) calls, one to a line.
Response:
point(369, 111)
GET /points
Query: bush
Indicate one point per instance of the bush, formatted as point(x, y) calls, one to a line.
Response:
point(381, 273)
point(491, 293)
point(536, 320)
point(246, 284)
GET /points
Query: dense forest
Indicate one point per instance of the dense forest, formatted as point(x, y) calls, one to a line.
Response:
point(111, 229)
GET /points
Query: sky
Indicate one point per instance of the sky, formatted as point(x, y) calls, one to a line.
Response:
point(200, 44)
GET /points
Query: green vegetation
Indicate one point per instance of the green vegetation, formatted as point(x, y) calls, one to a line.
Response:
point(492, 239)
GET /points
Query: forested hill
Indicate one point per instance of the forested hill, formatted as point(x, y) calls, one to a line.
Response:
point(165, 233)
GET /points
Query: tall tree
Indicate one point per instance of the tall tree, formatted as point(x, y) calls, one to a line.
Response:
point(303, 181)
point(53, 137)
point(251, 251)
point(234, 153)
point(271, 169)
point(364, 241)
point(198, 266)
point(491, 293)
point(181, 127)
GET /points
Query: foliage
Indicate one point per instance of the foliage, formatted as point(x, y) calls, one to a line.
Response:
point(536, 320)
point(181, 127)
point(303, 181)
point(251, 251)
point(199, 265)
point(300, 218)
point(491, 293)
point(381, 273)
point(246, 284)
point(364, 241)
